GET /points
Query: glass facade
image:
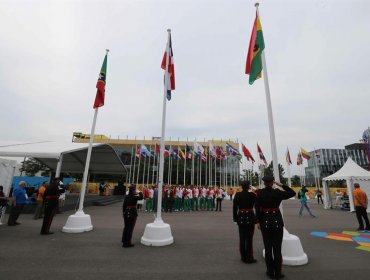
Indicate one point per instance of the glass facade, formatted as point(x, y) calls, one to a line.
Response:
point(324, 162)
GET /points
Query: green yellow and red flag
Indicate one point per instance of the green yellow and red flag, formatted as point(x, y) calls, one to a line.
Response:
point(253, 66)
point(100, 85)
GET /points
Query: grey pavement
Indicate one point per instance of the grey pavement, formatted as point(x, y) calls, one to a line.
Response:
point(206, 247)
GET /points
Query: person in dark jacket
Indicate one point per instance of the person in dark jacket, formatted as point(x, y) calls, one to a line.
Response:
point(243, 215)
point(271, 223)
point(130, 215)
point(51, 202)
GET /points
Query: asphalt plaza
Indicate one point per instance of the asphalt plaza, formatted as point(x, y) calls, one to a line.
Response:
point(206, 247)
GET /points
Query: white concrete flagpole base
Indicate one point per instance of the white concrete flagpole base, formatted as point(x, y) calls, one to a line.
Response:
point(292, 250)
point(79, 222)
point(157, 234)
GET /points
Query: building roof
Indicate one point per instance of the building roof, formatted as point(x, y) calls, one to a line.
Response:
point(104, 160)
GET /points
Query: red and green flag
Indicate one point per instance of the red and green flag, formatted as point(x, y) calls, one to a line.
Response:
point(100, 85)
point(253, 66)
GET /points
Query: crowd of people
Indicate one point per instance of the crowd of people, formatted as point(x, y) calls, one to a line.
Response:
point(183, 198)
point(49, 200)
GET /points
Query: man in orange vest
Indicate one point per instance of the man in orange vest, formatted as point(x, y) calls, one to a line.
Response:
point(40, 201)
point(361, 201)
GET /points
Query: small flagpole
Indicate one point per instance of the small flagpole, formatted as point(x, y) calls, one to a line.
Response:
point(138, 168)
point(132, 153)
point(186, 155)
point(147, 176)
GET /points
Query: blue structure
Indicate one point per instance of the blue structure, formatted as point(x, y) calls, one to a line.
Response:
point(36, 182)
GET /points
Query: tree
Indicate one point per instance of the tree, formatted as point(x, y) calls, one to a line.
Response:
point(269, 170)
point(32, 166)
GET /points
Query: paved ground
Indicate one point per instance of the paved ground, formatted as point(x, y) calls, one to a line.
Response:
point(206, 247)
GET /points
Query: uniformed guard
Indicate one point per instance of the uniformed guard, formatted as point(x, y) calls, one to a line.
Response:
point(271, 223)
point(51, 200)
point(243, 215)
point(130, 215)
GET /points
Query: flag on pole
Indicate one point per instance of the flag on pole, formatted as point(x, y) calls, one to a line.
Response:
point(231, 150)
point(138, 151)
point(253, 66)
point(189, 152)
point(170, 74)
point(145, 151)
point(100, 85)
point(181, 154)
point(299, 159)
point(262, 157)
point(157, 149)
point(247, 153)
point(305, 154)
point(287, 156)
point(212, 150)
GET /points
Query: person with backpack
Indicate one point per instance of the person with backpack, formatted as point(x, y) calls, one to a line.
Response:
point(303, 200)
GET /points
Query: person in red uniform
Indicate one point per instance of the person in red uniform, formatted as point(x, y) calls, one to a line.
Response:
point(51, 202)
point(130, 215)
point(271, 223)
point(243, 215)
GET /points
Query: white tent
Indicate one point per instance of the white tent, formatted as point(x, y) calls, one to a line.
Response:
point(352, 173)
point(7, 169)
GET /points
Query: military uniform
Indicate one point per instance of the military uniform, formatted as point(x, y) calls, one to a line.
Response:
point(272, 224)
point(51, 202)
point(243, 215)
point(129, 215)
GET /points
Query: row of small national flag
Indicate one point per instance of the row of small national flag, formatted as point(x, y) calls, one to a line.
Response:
point(191, 151)
point(214, 152)
point(302, 154)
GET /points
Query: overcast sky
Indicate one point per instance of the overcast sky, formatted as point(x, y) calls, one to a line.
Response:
point(317, 54)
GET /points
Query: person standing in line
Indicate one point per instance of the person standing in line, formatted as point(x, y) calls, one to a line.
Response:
point(40, 201)
point(361, 202)
point(319, 197)
point(243, 215)
point(219, 197)
point(130, 215)
point(271, 223)
point(304, 203)
point(20, 199)
point(51, 202)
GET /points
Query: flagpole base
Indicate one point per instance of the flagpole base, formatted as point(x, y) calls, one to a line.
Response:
point(157, 234)
point(77, 223)
point(292, 251)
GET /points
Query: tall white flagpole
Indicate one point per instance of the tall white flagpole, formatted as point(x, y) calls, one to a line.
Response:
point(292, 250)
point(132, 154)
point(81, 222)
point(186, 155)
point(159, 233)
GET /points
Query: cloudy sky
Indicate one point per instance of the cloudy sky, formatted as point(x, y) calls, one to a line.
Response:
point(317, 54)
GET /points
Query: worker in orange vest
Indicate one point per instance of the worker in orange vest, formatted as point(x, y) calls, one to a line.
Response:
point(361, 201)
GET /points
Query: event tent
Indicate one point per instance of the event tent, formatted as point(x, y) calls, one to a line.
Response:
point(104, 159)
point(352, 173)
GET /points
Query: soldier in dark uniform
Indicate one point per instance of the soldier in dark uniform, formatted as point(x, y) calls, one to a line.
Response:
point(271, 223)
point(243, 215)
point(51, 202)
point(130, 215)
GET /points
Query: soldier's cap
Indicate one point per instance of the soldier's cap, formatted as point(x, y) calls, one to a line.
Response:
point(268, 178)
point(132, 187)
point(245, 184)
